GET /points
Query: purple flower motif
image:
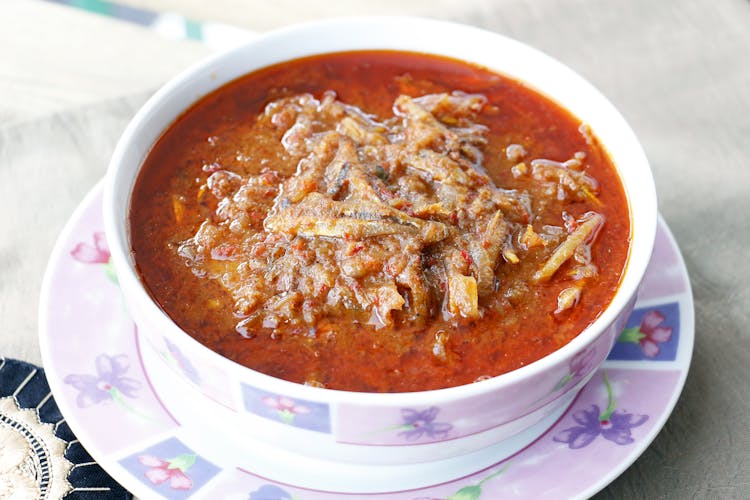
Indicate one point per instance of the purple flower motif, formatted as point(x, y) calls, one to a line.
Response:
point(612, 425)
point(96, 254)
point(616, 427)
point(582, 363)
point(109, 383)
point(270, 492)
point(579, 366)
point(422, 423)
point(649, 334)
point(183, 363)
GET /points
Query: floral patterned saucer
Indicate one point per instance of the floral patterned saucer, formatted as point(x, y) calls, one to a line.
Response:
point(93, 360)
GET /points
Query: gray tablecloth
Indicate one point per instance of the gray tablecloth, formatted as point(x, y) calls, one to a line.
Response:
point(678, 70)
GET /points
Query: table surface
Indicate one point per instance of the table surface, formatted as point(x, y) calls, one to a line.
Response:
point(679, 71)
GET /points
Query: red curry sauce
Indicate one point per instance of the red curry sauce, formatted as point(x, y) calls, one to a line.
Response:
point(545, 178)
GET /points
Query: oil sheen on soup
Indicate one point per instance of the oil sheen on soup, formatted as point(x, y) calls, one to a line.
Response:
point(379, 221)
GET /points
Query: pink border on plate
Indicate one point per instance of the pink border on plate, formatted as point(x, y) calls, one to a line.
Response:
point(638, 388)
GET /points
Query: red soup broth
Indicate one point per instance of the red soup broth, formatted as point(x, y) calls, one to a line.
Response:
point(533, 151)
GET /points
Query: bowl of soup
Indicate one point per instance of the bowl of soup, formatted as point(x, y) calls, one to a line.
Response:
point(389, 244)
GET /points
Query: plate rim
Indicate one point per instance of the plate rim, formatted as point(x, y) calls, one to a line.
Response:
point(133, 485)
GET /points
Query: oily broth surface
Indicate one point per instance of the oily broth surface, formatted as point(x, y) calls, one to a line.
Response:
point(218, 130)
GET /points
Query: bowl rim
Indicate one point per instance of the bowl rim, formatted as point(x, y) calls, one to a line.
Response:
point(137, 139)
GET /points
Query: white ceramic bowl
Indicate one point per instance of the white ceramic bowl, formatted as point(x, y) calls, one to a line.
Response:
point(304, 431)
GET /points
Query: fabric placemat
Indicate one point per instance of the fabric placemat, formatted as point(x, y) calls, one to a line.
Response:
point(40, 456)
